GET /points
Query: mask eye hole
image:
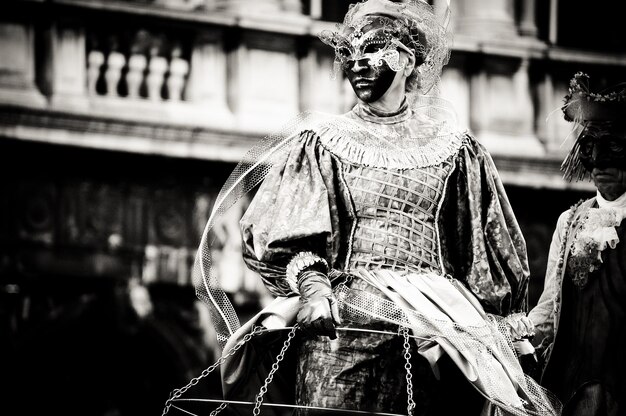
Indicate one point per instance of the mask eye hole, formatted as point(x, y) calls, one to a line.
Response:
point(614, 144)
point(586, 145)
point(373, 47)
point(344, 53)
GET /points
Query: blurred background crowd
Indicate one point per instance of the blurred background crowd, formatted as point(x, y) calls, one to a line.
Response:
point(120, 120)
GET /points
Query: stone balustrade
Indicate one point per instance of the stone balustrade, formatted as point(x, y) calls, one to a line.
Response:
point(225, 67)
point(206, 79)
point(150, 74)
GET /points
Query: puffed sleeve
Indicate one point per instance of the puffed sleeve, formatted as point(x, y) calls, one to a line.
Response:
point(296, 209)
point(482, 244)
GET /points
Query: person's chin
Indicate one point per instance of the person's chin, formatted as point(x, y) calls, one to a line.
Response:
point(366, 95)
point(363, 94)
point(609, 189)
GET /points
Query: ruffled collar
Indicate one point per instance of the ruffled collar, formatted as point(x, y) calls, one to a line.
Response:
point(618, 203)
point(404, 140)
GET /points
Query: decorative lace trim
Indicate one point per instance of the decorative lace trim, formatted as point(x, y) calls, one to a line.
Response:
point(438, 215)
point(596, 233)
point(384, 147)
point(298, 263)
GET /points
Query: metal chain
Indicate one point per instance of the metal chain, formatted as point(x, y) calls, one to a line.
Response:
point(407, 366)
point(281, 355)
point(175, 394)
point(218, 409)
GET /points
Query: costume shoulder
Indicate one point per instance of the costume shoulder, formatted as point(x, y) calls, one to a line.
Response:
point(296, 209)
point(473, 149)
point(571, 215)
point(481, 239)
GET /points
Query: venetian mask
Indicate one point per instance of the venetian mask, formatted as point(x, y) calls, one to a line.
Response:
point(369, 54)
point(374, 40)
point(603, 145)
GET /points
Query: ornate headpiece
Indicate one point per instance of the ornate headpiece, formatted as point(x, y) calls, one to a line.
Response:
point(582, 106)
point(410, 25)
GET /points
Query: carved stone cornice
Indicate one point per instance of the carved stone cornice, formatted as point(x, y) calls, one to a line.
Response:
point(124, 135)
point(536, 172)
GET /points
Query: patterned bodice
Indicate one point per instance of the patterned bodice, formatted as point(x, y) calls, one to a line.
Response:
point(396, 212)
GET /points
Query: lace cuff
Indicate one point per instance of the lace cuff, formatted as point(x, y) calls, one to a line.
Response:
point(299, 263)
point(520, 326)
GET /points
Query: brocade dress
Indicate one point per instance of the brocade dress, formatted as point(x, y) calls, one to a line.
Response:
point(373, 193)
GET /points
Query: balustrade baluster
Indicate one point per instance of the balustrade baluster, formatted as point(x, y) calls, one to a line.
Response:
point(136, 66)
point(95, 60)
point(179, 68)
point(115, 63)
point(157, 68)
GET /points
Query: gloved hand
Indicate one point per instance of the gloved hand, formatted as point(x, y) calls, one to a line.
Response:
point(520, 326)
point(318, 312)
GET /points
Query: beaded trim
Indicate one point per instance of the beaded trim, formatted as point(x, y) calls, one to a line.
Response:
point(300, 262)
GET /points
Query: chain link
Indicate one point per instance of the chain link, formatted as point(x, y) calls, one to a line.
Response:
point(218, 409)
point(175, 394)
point(407, 366)
point(258, 401)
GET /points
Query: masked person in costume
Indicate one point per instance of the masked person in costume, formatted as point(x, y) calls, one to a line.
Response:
point(580, 318)
point(387, 237)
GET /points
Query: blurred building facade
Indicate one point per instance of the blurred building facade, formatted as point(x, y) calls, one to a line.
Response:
point(120, 120)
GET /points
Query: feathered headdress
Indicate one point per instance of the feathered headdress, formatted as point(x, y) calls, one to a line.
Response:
point(583, 105)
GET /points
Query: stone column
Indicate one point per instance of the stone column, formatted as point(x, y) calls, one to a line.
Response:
point(316, 9)
point(67, 60)
point(528, 26)
point(264, 81)
point(259, 6)
point(206, 87)
point(501, 111)
point(485, 19)
point(455, 87)
point(552, 128)
point(320, 86)
point(17, 65)
point(292, 6)
point(250, 6)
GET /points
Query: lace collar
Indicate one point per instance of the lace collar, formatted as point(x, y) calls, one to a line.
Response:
point(404, 140)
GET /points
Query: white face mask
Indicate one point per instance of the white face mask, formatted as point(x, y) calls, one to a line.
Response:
point(375, 46)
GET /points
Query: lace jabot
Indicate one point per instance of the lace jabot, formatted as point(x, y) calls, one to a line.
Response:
point(403, 139)
point(596, 233)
